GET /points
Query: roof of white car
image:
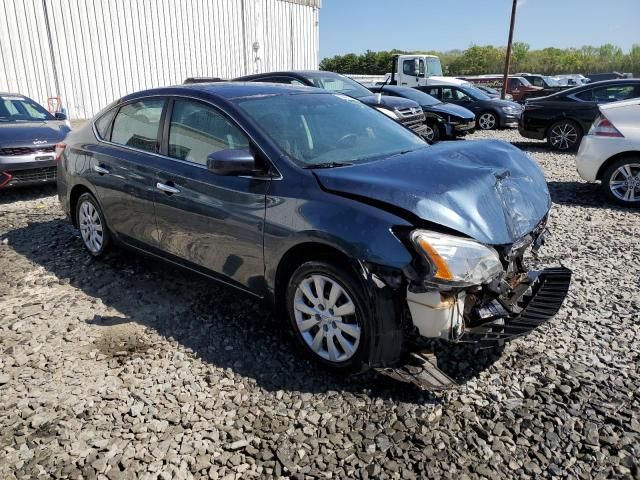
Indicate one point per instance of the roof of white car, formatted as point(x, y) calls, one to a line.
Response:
point(621, 103)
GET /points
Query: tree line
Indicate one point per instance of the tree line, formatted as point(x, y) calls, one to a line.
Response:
point(477, 60)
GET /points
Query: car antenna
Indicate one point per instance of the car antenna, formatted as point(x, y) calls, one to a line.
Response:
point(382, 88)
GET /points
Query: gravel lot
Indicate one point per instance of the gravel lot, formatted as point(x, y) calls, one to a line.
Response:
point(127, 368)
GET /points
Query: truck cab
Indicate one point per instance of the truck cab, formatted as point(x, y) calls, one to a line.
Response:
point(418, 71)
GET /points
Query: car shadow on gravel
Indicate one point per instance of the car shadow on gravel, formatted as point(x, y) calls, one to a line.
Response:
point(223, 327)
point(24, 194)
point(581, 194)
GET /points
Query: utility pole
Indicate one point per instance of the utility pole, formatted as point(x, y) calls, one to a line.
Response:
point(508, 59)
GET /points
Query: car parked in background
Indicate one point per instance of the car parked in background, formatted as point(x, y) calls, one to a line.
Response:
point(28, 136)
point(518, 87)
point(610, 152)
point(492, 92)
point(549, 85)
point(368, 240)
point(444, 120)
point(490, 112)
point(564, 117)
point(406, 112)
point(572, 79)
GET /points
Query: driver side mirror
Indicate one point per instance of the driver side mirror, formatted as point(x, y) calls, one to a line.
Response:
point(60, 116)
point(416, 67)
point(233, 161)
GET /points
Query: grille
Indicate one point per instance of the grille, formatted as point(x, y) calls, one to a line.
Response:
point(45, 174)
point(14, 151)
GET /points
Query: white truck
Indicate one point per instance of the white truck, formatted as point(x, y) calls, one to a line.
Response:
point(419, 71)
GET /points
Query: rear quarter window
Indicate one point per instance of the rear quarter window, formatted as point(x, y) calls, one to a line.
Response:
point(103, 123)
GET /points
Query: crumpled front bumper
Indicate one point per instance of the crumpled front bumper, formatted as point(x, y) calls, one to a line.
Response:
point(532, 302)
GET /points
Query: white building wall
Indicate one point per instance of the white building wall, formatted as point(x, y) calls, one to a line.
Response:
point(100, 50)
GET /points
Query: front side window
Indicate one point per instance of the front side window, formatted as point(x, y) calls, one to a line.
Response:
point(21, 109)
point(408, 68)
point(136, 124)
point(197, 130)
point(460, 95)
point(613, 93)
point(338, 84)
point(315, 129)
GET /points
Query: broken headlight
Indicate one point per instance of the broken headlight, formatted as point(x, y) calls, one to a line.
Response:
point(457, 261)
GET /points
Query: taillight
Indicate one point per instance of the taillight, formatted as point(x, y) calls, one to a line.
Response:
point(59, 149)
point(602, 127)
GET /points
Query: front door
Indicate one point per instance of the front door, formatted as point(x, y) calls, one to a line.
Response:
point(211, 221)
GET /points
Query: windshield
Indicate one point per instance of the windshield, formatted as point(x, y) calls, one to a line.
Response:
point(475, 93)
point(316, 129)
point(417, 96)
point(21, 109)
point(552, 82)
point(489, 90)
point(433, 66)
point(338, 84)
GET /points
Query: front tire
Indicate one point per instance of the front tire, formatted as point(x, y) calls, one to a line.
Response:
point(432, 134)
point(564, 135)
point(93, 229)
point(621, 182)
point(487, 121)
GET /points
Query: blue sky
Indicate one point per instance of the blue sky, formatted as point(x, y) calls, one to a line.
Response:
point(357, 25)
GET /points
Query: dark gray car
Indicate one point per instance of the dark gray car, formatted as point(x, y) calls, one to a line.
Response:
point(367, 239)
point(28, 136)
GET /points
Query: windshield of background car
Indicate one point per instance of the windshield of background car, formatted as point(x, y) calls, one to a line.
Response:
point(417, 96)
point(475, 93)
point(339, 84)
point(20, 109)
point(434, 67)
point(321, 128)
point(552, 82)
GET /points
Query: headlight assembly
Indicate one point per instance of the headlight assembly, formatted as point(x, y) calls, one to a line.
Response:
point(457, 261)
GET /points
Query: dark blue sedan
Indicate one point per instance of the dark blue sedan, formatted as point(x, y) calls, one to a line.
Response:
point(364, 238)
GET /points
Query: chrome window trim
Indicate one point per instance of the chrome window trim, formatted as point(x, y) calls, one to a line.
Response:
point(168, 97)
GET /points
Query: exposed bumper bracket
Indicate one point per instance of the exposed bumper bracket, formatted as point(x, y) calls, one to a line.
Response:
point(420, 369)
point(535, 308)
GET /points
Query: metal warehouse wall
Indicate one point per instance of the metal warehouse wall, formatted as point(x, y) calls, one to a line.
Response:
point(91, 52)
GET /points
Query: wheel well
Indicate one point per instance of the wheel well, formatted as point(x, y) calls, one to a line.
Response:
point(73, 200)
point(613, 159)
point(302, 253)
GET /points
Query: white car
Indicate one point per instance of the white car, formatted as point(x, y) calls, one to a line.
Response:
point(610, 152)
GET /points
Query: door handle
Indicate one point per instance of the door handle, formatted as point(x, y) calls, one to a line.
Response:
point(167, 188)
point(100, 170)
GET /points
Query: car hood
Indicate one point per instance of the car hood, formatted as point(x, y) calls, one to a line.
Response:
point(488, 190)
point(498, 102)
point(451, 109)
point(24, 134)
point(388, 102)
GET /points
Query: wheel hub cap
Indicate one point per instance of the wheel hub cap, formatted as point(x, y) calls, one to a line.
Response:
point(90, 227)
point(564, 136)
point(625, 182)
point(326, 318)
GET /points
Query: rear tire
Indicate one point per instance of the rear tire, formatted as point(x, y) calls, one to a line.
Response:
point(335, 320)
point(93, 229)
point(564, 135)
point(621, 182)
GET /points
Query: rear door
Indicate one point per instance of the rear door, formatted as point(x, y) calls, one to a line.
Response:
point(122, 169)
point(210, 221)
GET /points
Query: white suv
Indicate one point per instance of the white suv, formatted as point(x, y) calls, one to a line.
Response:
point(610, 152)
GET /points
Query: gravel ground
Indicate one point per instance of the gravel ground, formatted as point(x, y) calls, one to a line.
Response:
point(127, 368)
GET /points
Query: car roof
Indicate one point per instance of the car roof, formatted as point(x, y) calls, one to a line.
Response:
point(13, 94)
point(302, 74)
point(619, 104)
point(227, 90)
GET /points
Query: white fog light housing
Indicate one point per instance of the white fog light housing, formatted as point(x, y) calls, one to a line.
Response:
point(457, 261)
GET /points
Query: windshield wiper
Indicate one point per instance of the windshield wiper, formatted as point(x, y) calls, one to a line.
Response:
point(329, 165)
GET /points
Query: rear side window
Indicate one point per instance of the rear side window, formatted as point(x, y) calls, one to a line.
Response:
point(197, 130)
point(102, 124)
point(136, 125)
point(587, 95)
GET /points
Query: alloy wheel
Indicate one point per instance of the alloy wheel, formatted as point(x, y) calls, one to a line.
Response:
point(326, 318)
point(624, 183)
point(487, 121)
point(90, 226)
point(430, 134)
point(563, 136)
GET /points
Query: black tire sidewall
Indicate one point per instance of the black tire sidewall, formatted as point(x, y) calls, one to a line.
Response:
point(87, 197)
point(354, 288)
point(606, 176)
point(568, 122)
